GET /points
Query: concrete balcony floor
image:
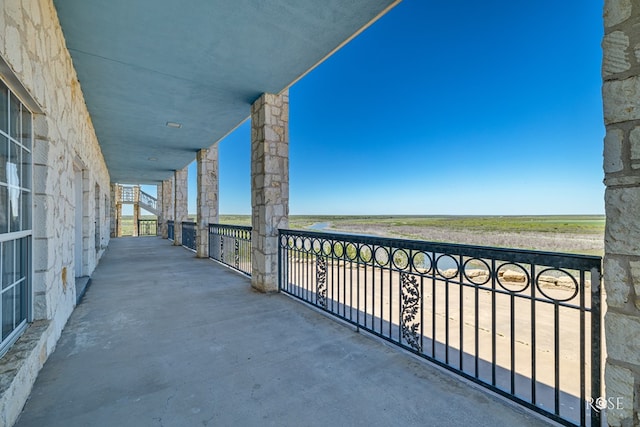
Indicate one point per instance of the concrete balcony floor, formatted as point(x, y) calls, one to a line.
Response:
point(165, 339)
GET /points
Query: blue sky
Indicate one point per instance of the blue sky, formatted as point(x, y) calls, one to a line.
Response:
point(456, 107)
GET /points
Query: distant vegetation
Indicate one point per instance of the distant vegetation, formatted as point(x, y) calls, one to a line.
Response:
point(537, 224)
point(590, 224)
point(558, 233)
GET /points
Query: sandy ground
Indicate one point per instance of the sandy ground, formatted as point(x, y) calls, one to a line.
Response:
point(456, 322)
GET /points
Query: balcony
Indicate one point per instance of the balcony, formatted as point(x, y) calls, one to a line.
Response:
point(162, 338)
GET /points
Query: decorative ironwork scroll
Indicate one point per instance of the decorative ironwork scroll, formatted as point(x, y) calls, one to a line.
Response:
point(321, 281)
point(410, 307)
point(237, 254)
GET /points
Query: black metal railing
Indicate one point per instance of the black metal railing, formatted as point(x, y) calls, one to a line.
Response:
point(525, 324)
point(170, 230)
point(231, 245)
point(147, 227)
point(189, 235)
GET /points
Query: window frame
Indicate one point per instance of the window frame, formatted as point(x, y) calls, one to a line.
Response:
point(24, 232)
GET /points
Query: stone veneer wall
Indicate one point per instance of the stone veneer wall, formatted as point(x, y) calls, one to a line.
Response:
point(159, 208)
point(269, 186)
point(621, 99)
point(113, 213)
point(166, 206)
point(207, 204)
point(180, 204)
point(33, 47)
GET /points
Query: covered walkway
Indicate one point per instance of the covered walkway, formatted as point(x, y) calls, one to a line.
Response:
point(165, 339)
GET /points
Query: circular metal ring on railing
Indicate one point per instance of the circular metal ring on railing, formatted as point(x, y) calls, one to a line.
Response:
point(520, 280)
point(316, 245)
point(298, 243)
point(557, 284)
point(351, 251)
point(365, 253)
point(450, 272)
point(477, 276)
point(381, 256)
point(284, 242)
point(307, 244)
point(327, 247)
point(337, 248)
point(400, 259)
point(419, 262)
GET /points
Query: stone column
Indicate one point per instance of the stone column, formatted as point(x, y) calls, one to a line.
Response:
point(269, 186)
point(113, 211)
point(119, 220)
point(167, 206)
point(180, 206)
point(136, 217)
point(159, 208)
point(207, 197)
point(621, 98)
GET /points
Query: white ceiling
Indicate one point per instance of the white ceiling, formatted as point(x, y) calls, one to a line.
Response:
point(200, 63)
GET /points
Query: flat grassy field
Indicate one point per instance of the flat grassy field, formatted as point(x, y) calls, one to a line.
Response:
point(566, 224)
point(127, 223)
point(582, 234)
point(557, 233)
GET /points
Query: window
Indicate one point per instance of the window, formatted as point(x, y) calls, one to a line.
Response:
point(16, 136)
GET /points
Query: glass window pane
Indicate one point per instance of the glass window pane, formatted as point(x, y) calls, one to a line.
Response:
point(4, 108)
point(26, 210)
point(26, 170)
point(15, 209)
point(13, 180)
point(7, 312)
point(21, 303)
point(14, 118)
point(21, 258)
point(27, 130)
point(4, 157)
point(8, 269)
point(13, 172)
point(4, 209)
